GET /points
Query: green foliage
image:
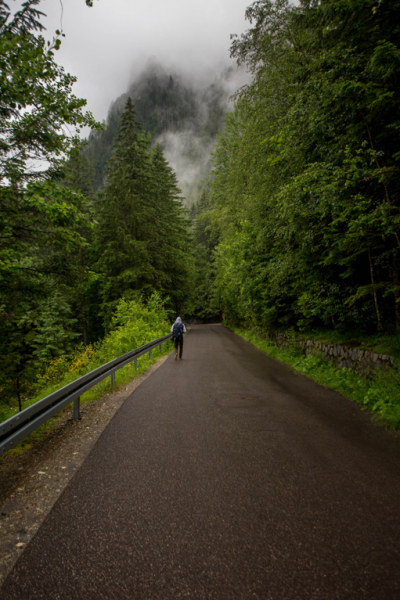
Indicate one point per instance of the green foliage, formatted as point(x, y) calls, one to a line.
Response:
point(380, 395)
point(37, 101)
point(133, 324)
point(41, 232)
point(78, 174)
point(43, 225)
point(141, 234)
point(305, 196)
point(85, 298)
point(203, 305)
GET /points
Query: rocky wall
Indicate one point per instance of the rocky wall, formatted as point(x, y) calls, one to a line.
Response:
point(361, 361)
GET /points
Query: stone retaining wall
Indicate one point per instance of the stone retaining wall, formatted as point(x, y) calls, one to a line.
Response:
point(364, 362)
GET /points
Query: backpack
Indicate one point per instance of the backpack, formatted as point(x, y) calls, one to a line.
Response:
point(177, 330)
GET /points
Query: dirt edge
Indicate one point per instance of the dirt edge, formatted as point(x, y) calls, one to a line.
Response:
point(32, 482)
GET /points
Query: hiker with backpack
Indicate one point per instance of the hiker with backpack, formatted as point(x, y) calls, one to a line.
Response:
point(177, 330)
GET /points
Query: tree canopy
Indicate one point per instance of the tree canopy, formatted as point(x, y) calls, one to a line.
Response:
point(306, 189)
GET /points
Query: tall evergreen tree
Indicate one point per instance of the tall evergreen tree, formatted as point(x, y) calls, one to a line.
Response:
point(83, 295)
point(205, 240)
point(125, 215)
point(141, 233)
point(79, 174)
point(171, 245)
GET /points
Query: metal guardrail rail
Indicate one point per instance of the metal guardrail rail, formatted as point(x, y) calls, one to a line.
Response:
point(19, 426)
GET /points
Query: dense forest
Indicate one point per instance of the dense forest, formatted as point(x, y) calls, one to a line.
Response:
point(70, 256)
point(294, 219)
point(304, 213)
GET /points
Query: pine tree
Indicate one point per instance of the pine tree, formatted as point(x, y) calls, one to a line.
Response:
point(205, 241)
point(141, 235)
point(79, 174)
point(83, 294)
point(126, 216)
point(171, 244)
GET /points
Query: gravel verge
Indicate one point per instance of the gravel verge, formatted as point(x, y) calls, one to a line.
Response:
point(30, 483)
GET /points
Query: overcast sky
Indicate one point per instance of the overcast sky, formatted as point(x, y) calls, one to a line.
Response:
point(107, 44)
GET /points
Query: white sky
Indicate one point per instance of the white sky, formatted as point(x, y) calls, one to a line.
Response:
point(107, 44)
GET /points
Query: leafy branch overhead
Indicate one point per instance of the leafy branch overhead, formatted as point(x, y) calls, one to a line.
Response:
point(42, 224)
point(40, 118)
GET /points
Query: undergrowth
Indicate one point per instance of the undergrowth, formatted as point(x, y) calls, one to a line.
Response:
point(134, 325)
point(380, 395)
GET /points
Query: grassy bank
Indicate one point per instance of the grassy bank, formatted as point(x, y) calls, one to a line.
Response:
point(134, 324)
point(380, 396)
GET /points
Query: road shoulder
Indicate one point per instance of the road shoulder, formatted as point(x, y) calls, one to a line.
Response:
point(32, 482)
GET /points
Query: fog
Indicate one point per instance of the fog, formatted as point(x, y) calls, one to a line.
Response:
point(107, 45)
point(188, 153)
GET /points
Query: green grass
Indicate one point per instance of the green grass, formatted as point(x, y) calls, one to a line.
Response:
point(123, 376)
point(380, 396)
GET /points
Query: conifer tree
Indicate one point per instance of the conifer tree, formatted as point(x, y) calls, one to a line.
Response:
point(125, 215)
point(83, 295)
point(205, 241)
point(141, 234)
point(79, 174)
point(171, 244)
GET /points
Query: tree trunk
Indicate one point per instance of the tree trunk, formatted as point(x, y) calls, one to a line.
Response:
point(19, 394)
point(84, 327)
point(396, 282)
point(371, 268)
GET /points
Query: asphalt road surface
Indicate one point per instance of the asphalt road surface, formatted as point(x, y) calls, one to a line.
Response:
point(225, 476)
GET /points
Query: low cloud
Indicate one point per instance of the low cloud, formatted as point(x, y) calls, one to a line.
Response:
point(189, 150)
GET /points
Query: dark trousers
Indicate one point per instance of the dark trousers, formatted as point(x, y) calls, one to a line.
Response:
point(179, 342)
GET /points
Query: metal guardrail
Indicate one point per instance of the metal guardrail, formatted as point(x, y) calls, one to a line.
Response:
point(18, 427)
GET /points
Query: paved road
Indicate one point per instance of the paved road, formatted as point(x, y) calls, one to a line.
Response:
point(225, 476)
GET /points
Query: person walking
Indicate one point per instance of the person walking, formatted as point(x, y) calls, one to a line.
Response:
point(178, 329)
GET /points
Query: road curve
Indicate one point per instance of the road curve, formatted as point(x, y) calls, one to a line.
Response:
point(225, 476)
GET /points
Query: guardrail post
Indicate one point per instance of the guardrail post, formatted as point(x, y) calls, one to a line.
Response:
point(160, 348)
point(18, 427)
point(77, 402)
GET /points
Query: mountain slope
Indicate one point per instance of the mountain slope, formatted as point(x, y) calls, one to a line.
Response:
point(184, 118)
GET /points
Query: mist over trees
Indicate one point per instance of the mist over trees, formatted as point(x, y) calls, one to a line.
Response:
point(183, 116)
point(141, 235)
